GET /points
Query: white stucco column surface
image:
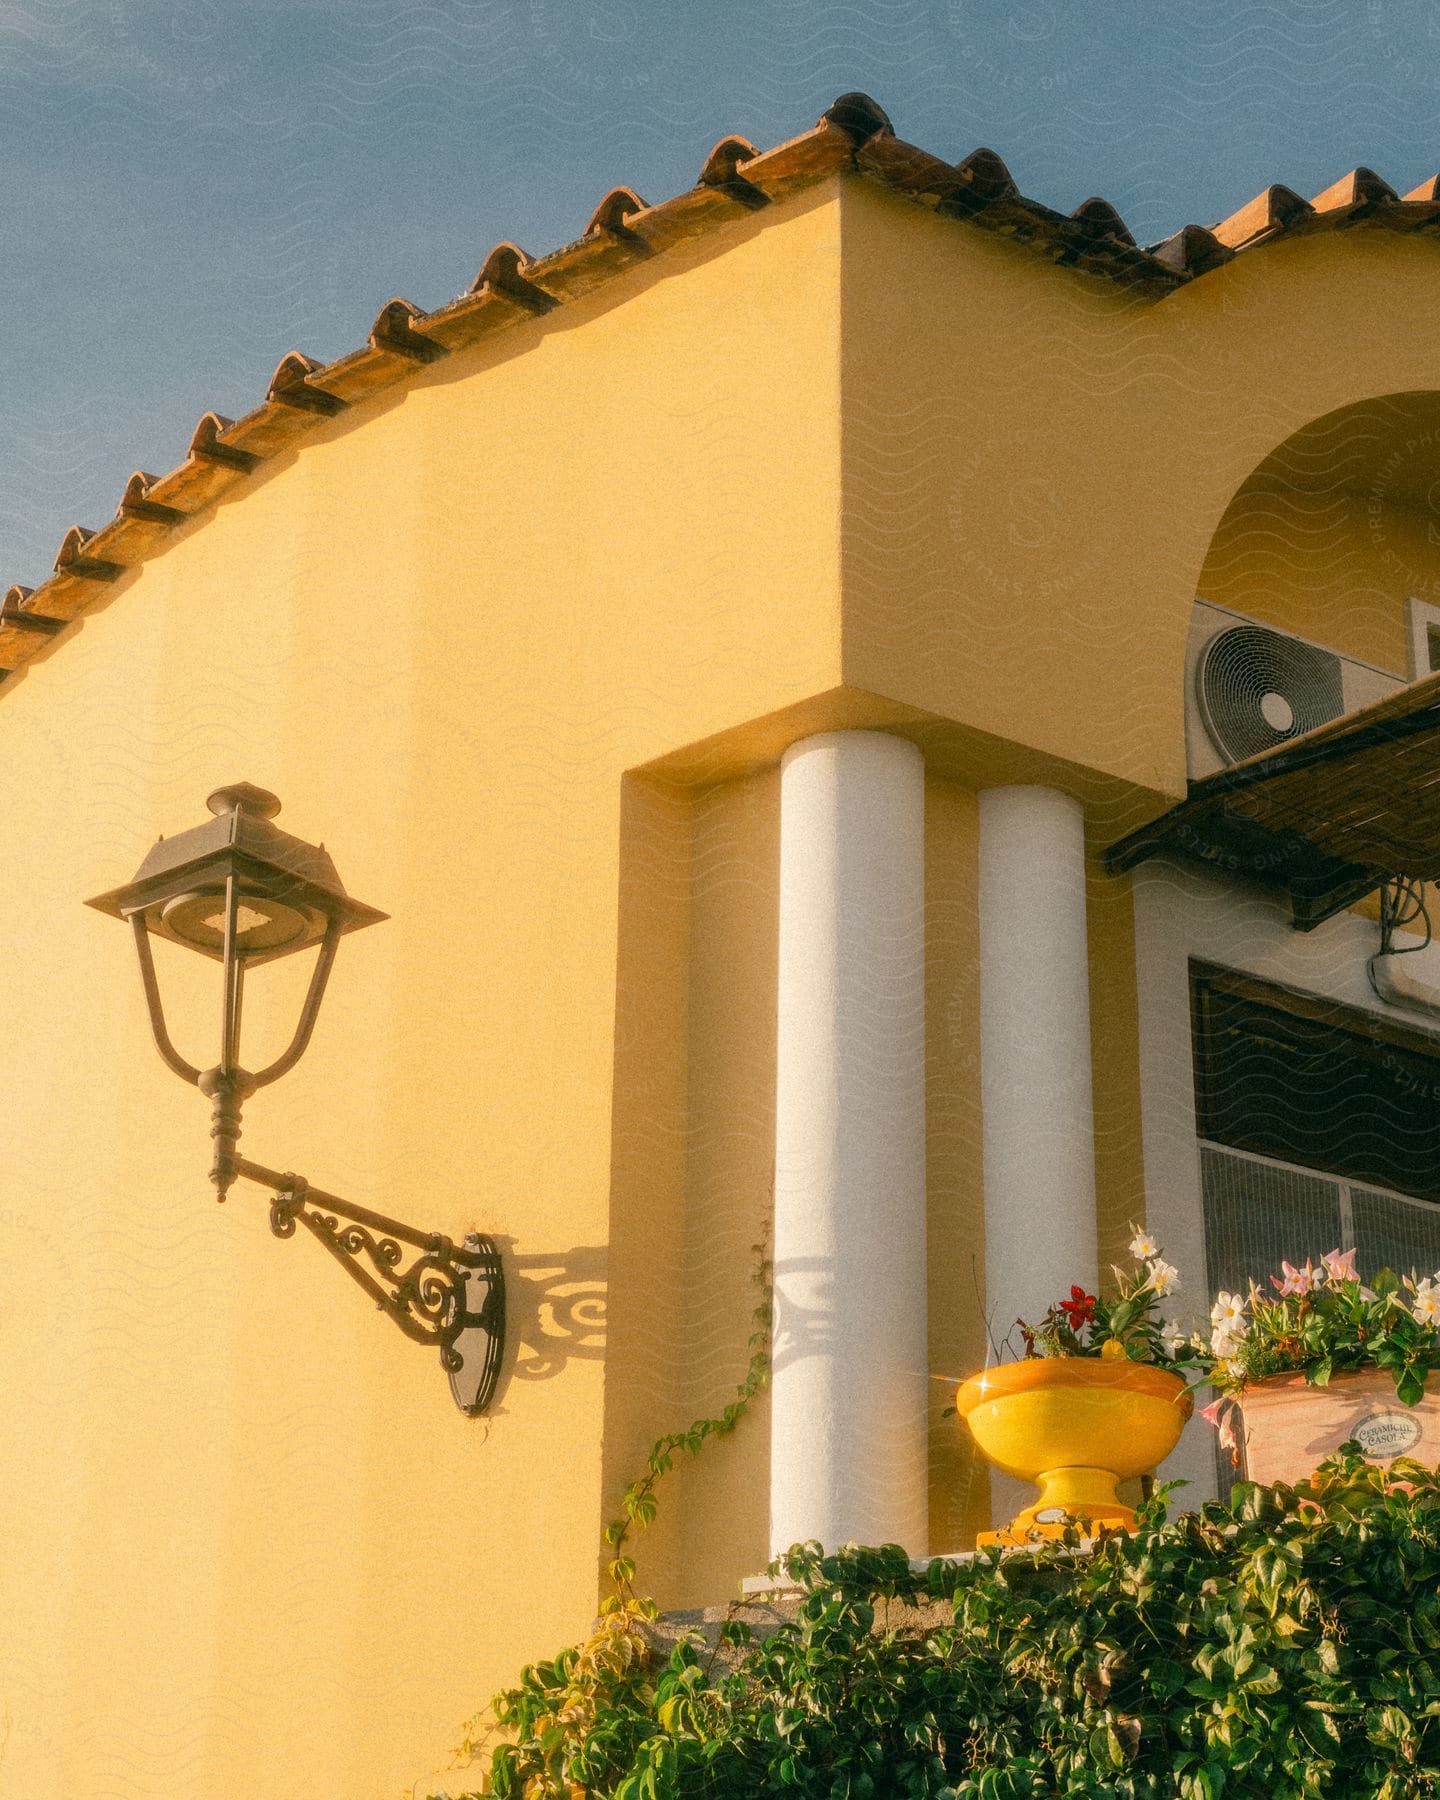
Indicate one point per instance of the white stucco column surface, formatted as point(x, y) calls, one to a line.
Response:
point(849, 1395)
point(1035, 1086)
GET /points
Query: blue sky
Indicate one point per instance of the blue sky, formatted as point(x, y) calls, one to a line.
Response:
point(193, 187)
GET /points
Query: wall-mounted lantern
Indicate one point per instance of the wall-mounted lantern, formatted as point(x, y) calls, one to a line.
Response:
point(243, 892)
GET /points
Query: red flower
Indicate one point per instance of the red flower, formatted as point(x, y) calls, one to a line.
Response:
point(1079, 1309)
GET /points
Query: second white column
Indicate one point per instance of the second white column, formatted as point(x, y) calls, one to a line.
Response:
point(1035, 1081)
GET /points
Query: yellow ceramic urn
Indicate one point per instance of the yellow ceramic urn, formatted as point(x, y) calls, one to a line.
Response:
point(1077, 1426)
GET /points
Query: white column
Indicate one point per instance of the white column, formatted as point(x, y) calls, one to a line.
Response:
point(1035, 1089)
point(849, 1395)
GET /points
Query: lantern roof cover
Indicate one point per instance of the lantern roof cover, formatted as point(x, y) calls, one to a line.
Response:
point(240, 839)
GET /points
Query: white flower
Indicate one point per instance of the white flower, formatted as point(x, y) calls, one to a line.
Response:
point(1143, 1247)
point(1224, 1341)
point(1164, 1277)
point(1426, 1309)
point(1171, 1337)
point(1228, 1318)
point(1229, 1309)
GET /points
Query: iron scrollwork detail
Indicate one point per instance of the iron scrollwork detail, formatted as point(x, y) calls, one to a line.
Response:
point(433, 1300)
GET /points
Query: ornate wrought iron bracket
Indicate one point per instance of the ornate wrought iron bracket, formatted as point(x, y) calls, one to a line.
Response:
point(451, 1296)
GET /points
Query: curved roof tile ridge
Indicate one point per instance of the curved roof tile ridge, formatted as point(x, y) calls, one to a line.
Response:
point(502, 276)
point(513, 290)
point(858, 115)
point(1362, 187)
point(615, 211)
point(1275, 210)
point(394, 332)
point(721, 171)
point(1103, 220)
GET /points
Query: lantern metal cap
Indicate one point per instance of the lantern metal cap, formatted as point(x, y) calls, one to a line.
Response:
point(276, 873)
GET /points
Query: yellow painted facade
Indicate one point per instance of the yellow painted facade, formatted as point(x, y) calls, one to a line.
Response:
point(523, 642)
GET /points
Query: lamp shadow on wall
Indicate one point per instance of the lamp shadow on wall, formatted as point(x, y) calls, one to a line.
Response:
point(556, 1304)
point(804, 1327)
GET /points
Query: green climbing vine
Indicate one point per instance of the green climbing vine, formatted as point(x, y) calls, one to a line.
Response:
point(637, 1503)
point(568, 1712)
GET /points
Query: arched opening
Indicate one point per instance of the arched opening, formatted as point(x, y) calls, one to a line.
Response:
point(1338, 529)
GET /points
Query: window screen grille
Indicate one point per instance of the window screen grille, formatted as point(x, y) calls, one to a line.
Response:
point(1257, 1215)
point(1392, 1232)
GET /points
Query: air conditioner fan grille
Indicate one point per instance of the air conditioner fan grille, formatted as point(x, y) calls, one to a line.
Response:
point(1259, 688)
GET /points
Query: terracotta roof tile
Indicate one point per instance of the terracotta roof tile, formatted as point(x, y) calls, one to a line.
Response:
point(1100, 218)
point(721, 172)
point(81, 569)
point(142, 522)
point(908, 170)
point(210, 469)
point(1268, 214)
point(607, 246)
point(514, 291)
point(207, 445)
point(1192, 251)
point(504, 277)
point(81, 556)
point(802, 160)
point(1359, 191)
point(615, 211)
point(22, 630)
point(394, 334)
point(294, 384)
point(982, 179)
point(859, 116)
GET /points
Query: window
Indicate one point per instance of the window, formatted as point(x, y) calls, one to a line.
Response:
point(1320, 1128)
point(1424, 622)
point(1306, 1081)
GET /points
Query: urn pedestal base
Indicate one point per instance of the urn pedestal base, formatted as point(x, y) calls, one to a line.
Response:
point(1076, 1426)
point(1067, 1496)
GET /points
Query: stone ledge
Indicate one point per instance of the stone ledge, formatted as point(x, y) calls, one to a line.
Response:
point(766, 1604)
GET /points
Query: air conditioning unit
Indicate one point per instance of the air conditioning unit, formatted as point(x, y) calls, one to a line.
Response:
point(1249, 687)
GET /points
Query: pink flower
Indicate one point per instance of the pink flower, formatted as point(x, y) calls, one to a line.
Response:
point(1297, 1281)
point(1221, 1414)
point(1340, 1268)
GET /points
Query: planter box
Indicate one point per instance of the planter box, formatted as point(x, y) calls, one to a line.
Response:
point(1290, 1427)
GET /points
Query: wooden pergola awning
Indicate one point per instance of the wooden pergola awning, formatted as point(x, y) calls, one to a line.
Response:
point(1329, 816)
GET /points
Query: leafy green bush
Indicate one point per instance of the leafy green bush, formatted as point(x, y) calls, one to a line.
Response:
point(1284, 1645)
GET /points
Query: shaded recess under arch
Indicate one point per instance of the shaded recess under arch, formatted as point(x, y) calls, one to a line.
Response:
point(1329, 537)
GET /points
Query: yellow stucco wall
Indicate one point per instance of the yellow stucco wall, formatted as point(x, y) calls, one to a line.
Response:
point(250, 1545)
point(523, 644)
point(955, 1204)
